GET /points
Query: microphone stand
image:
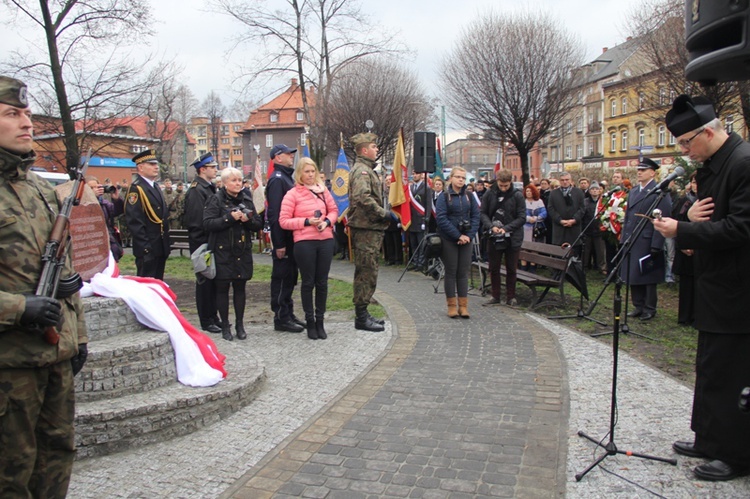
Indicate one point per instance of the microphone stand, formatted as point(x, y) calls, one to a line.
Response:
point(580, 313)
point(610, 447)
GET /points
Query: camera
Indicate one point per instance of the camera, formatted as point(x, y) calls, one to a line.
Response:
point(464, 226)
point(241, 207)
point(501, 240)
point(317, 214)
point(109, 189)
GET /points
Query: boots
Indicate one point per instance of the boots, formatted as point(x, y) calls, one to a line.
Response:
point(226, 332)
point(463, 307)
point(240, 329)
point(312, 332)
point(376, 321)
point(363, 321)
point(452, 310)
point(320, 328)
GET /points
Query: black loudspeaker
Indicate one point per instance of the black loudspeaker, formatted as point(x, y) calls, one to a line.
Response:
point(717, 38)
point(424, 152)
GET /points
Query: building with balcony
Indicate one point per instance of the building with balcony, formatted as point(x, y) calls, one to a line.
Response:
point(476, 154)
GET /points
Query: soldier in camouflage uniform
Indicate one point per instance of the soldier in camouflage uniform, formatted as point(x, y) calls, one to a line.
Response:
point(368, 220)
point(37, 444)
point(175, 200)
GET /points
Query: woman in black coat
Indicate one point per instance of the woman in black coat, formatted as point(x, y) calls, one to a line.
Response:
point(230, 219)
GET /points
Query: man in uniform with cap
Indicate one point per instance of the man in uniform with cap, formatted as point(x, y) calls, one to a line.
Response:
point(368, 220)
point(37, 446)
point(201, 189)
point(644, 268)
point(719, 234)
point(284, 272)
point(147, 217)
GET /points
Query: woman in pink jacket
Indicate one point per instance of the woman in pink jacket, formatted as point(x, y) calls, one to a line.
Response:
point(309, 211)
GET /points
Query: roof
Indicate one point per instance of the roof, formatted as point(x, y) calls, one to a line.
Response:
point(285, 106)
point(609, 62)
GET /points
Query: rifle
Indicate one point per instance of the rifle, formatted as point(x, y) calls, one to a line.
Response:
point(56, 251)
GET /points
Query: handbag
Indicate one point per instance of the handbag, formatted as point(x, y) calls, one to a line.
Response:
point(539, 230)
point(204, 263)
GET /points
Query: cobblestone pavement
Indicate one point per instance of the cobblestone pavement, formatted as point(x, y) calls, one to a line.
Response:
point(433, 407)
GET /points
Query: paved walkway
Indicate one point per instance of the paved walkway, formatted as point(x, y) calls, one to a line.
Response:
point(433, 407)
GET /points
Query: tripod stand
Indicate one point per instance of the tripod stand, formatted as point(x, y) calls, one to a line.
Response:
point(610, 447)
point(580, 314)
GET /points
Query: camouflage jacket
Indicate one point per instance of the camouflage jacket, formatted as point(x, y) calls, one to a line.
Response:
point(28, 207)
point(175, 202)
point(366, 209)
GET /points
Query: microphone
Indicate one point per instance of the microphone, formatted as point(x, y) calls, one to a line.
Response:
point(678, 172)
point(616, 189)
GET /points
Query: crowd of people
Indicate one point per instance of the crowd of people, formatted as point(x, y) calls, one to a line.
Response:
point(709, 230)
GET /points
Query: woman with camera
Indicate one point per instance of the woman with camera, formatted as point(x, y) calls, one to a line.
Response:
point(503, 218)
point(230, 220)
point(457, 224)
point(309, 211)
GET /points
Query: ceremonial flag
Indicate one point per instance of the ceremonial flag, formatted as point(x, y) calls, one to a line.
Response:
point(306, 149)
point(269, 171)
point(438, 163)
point(499, 162)
point(259, 190)
point(340, 184)
point(398, 196)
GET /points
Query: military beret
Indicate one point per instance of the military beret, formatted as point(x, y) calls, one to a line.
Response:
point(147, 156)
point(689, 113)
point(363, 138)
point(205, 160)
point(13, 92)
point(648, 163)
point(281, 149)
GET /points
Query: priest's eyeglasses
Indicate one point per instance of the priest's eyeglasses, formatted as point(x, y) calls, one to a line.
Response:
point(685, 143)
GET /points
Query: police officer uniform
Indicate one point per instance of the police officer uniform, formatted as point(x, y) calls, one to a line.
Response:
point(195, 202)
point(368, 220)
point(147, 217)
point(37, 445)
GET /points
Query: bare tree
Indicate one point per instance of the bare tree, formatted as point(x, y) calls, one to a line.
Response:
point(311, 39)
point(514, 78)
point(660, 25)
point(81, 74)
point(185, 105)
point(393, 98)
point(214, 110)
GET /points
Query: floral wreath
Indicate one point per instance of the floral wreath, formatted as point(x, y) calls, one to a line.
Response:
point(612, 216)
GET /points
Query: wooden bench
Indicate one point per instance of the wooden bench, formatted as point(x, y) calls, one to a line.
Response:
point(178, 240)
point(553, 257)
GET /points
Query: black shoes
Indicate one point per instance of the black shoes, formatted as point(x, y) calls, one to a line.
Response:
point(312, 332)
point(210, 327)
point(718, 471)
point(288, 326)
point(226, 333)
point(635, 313)
point(320, 329)
point(240, 329)
point(298, 322)
point(364, 321)
point(647, 316)
point(687, 449)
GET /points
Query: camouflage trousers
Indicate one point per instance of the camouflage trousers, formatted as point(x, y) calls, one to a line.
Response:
point(366, 247)
point(37, 445)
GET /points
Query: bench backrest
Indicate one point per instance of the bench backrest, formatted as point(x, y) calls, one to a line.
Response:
point(549, 255)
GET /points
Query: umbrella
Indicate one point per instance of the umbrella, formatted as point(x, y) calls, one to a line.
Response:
point(576, 276)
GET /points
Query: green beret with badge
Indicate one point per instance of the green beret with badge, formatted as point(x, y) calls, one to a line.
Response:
point(13, 92)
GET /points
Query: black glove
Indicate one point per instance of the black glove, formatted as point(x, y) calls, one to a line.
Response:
point(41, 311)
point(80, 358)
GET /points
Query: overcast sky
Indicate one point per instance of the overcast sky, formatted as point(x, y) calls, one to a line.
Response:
point(199, 40)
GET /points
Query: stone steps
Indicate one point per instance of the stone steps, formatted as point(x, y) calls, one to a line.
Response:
point(127, 394)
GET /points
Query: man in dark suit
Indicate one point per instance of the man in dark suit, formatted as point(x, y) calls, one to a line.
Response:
point(147, 217)
point(719, 234)
point(421, 204)
point(566, 209)
point(645, 266)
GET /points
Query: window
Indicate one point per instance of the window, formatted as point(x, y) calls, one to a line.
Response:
point(579, 151)
point(569, 126)
point(201, 142)
point(274, 117)
point(591, 118)
point(661, 136)
point(624, 140)
point(236, 141)
point(237, 128)
point(238, 164)
point(662, 96)
point(137, 149)
point(613, 105)
point(225, 164)
point(269, 140)
point(729, 123)
point(225, 140)
point(641, 137)
point(579, 124)
point(201, 131)
point(672, 140)
point(624, 105)
point(225, 154)
point(225, 129)
point(485, 158)
point(641, 100)
point(201, 152)
point(300, 116)
point(303, 139)
point(237, 152)
point(568, 152)
point(613, 142)
point(473, 158)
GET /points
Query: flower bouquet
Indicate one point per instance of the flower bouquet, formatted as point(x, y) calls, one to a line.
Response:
point(612, 216)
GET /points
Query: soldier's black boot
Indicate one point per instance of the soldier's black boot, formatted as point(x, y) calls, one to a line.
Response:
point(363, 321)
point(320, 328)
point(226, 332)
point(240, 330)
point(376, 321)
